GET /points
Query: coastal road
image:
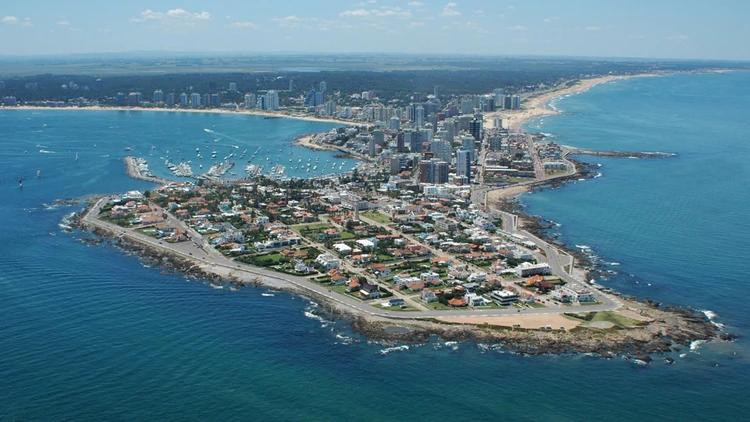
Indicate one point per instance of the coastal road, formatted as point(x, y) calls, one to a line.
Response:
point(225, 267)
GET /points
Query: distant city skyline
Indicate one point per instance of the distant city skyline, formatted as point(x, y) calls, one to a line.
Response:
point(665, 29)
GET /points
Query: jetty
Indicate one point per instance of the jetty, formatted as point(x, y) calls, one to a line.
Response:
point(137, 168)
point(620, 154)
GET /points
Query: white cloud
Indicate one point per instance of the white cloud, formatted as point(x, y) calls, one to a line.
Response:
point(379, 12)
point(244, 25)
point(678, 37)
point(63, 23)
point(592, 28)
point(355, 13)
point(14, 20)
point(551, 19)
point(517, 28)
point(450, 9)
point(173, 16)
point(291, 21)
point(415, 4)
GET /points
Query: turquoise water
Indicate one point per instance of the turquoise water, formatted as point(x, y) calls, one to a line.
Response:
point(89, 333)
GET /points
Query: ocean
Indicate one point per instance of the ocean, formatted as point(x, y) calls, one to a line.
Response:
point(88, 332)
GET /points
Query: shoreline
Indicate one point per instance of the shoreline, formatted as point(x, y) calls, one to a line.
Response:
point(575, 336)
point(537, 104)
point(651, 329)
point(259, 113)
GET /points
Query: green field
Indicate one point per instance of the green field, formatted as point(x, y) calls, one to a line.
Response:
point(377, 216)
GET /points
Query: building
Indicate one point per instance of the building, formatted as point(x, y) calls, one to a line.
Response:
point(433, 171)
point(184, 101)
point(473, 299)
point(475, 128)
point(269, 100)
point(504, 297)
point(515, 102)
point(328, 261)
point(158, 97)
point(418, 116)
point(195, 100)
point(232, 86)
point(463, 164)
point(250, 100)
point(527, 269)
point(134, 99)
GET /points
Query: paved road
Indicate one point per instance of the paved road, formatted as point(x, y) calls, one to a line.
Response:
point(226, 267)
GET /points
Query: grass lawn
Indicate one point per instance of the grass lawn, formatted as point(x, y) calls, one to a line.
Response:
point(615, 318)
point(377, 216)
point(619, 321)
point(266, 260)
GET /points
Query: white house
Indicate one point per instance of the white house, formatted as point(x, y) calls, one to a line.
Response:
point(328, 261)
point(504, 297)
point(527, 269)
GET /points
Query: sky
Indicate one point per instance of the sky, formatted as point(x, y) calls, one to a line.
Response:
point(716, 29)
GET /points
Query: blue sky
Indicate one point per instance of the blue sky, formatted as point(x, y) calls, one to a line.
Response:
point(635, 28)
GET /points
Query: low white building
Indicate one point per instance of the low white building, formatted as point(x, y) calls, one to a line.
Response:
point(342, 248)
point(328, 261)
point(527, 269)
point(473, 299)
point(504, 297)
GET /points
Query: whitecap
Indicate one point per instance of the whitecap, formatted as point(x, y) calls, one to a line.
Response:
point(387, 350)
point(267, 294)
point(696, 344)
point(45, 151)
point(215, 286)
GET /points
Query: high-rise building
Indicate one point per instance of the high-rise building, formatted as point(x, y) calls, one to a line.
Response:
point(467, 144)
point(425, 171)
point(395, 123)
point(440, 172)
point(418, 116)
point(250, 100)
point(158, 97)
point(475, 128)
point(271, 100)
point(498, 94)
point(433, 171)
point(214, 100)
point(515, 102)
point(232, 86)
point(134, 99)
point(441, 149)
point(508, 102)
point(323, 87)
point(400, 146)
point(170, 100)
point(463, 163)
point(184, 101)
point(195, 100)
point(372, 149)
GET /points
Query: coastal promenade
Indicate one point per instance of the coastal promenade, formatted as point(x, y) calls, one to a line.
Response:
point(210, 261)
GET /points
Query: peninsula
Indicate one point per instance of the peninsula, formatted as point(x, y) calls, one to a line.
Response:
point(425, 240)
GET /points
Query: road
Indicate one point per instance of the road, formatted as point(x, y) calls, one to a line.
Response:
point(218, 264)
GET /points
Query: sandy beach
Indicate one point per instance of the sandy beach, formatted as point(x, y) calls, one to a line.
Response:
point(270, 114)
point(537, 104)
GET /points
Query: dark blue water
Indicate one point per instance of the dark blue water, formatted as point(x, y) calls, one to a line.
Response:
point(89, 333)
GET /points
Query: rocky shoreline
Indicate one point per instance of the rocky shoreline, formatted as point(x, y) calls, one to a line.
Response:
point(663, 330)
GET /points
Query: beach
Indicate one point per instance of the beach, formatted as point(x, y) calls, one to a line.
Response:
point(261, 113)
point(537, 104)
